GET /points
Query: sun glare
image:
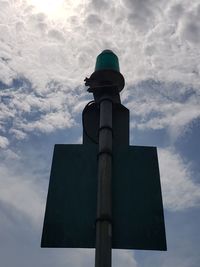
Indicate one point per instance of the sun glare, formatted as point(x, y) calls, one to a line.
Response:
point(53, 8)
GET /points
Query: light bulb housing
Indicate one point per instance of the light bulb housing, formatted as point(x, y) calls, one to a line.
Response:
point(107, 60)
point(106, 74)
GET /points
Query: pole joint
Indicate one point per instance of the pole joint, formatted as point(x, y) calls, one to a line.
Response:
point(104, 218)
point(106, 151)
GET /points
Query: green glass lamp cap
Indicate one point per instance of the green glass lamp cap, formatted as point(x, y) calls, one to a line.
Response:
point(107, 60)
point(107, 73)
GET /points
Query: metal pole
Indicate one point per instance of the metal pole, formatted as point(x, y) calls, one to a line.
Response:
point(103, 253)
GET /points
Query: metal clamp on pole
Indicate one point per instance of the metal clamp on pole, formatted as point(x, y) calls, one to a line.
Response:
point(105, 83)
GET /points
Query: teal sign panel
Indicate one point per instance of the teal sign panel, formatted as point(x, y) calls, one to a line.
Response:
point(138, 221)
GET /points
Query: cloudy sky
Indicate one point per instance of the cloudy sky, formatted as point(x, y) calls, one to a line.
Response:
point(47, 48)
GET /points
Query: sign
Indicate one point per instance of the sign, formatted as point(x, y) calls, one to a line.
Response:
point(138, 221)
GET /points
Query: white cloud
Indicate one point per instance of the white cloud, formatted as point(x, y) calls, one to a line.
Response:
point(144, 14)
point(179, 190)
point(18, 134)
point(189, 26)
point(123, 258)
point(156, 105)
point(149, 39)
point(154, 40)
point(22, 193)
point(23, 111)
point(49, 122)
point(3, 142)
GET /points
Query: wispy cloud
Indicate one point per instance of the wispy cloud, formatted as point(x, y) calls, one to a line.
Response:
point(42, 48)
point(179, 189)
point(160, 105)
point(48, 58)
point(123, 258)
point(22, 193)
point(3, 142)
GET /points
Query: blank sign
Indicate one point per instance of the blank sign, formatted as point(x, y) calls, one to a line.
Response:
point(138, 221)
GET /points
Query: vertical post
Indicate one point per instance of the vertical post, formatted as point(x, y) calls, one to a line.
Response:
point(105, 83)
point(103, 253)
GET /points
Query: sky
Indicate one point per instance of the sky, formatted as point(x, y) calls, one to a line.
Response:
point(47, 48)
